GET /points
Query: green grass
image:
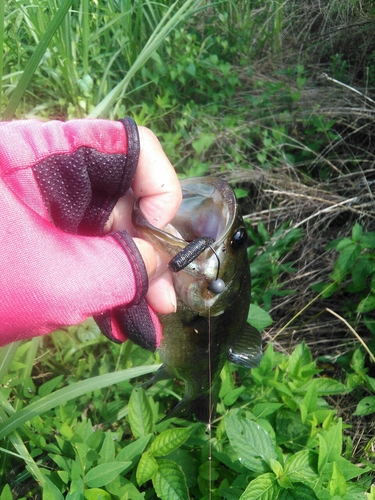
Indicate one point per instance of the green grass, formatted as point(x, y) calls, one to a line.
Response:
point(232, 88)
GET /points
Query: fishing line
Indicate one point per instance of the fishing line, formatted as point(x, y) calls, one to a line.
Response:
point(209, 408)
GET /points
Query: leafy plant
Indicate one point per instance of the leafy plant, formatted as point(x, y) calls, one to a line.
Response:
point(275, 435)
point(353, 275)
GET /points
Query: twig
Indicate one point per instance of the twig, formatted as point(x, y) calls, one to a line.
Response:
point(324, 75)
point(372, 357)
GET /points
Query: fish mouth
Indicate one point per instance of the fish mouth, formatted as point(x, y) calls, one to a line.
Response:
point(208, 209)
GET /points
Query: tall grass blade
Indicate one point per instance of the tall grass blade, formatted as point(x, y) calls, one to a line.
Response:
point(6, 355)
point(67, 393)
point(157, 37)
point(35, 59)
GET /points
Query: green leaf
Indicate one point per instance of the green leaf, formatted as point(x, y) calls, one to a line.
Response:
point(105, 473)
point(367, 304)
point(169, 481)
point(329, 387)
point(357, 232)
point(140, 413)
point(299, 492)
point(337, 484)
point(300, 467)
point(107, 451)
point(265, 409)
point(241, 193)
point(259, 318)
point(309, 402)
point(347, 258)
point(97, 494)
point(6, 494)
point(365, 407)
point(71, 392)
point(170, 440)
point(264, 487)
point(147, 467)
point(204, 142)
point(253, 445)
point(133, 450)
point(49, 386)
point(330, 444)
point(299, 360)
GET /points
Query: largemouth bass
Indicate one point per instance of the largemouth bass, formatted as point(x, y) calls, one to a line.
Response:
point(209, 327)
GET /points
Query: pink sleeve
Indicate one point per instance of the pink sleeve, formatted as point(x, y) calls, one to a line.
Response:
point(49, 277)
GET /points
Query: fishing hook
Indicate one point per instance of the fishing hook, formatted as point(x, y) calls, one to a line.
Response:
point(190, 253)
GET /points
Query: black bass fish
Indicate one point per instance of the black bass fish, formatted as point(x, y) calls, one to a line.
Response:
point(206, 242)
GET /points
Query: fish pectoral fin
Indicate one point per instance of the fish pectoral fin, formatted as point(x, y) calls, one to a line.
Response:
point(161, 374)
point(202, 407)
point(247, 349)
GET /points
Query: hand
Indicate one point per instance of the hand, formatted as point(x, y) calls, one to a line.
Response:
point(156, 183)
point(62, 185)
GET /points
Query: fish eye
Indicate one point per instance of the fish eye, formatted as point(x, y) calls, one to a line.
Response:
point(239, 238)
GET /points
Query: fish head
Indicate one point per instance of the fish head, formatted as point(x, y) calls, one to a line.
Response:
point(208, 209)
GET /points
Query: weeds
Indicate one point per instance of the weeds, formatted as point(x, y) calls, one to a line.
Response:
point(276, 98)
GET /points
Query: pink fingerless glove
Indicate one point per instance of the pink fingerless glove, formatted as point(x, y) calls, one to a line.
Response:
point(58, 185)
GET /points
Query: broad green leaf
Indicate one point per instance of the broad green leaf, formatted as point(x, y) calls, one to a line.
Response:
point(265, 409)
point(231, 397)
point(337, 484)
point(357, 232)
point(169, 481)
point(170, 440)
point(70, 392)
point(347, 258)
point(6, 494)
point(203, 143)
point(300, 467)
point(259, 318)
point(309, 402)
point(140, 413)
point(365, 406)
point(97, 494)
point(49, 386)
point(300, 357)
point(264, 487)
point(330, 444)
point(329, 387)
point(107, 451)
point(104, 473)
point(367, 304)
point(349, 470)
point(133, 450)
point(241, 193)
point(253, 445)
point(50, 491)
point(298, 492)
point(147, 467)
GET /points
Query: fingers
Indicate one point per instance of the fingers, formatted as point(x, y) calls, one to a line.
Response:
point(155, 181)
point(161, 295)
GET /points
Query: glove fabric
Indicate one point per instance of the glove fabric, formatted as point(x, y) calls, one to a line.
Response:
point(59, 183)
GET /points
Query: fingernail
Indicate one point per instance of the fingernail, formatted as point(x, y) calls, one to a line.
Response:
point(173, 300)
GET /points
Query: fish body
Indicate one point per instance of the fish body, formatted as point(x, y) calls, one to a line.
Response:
point(208, 328)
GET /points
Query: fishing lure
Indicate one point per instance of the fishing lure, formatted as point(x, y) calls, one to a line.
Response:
point(190, 253)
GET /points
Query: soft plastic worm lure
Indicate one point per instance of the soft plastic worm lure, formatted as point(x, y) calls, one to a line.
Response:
point(190, 253)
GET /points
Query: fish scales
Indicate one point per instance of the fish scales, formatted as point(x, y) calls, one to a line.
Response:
point(208, 328)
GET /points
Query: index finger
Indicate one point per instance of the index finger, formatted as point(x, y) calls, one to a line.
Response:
point(155, 181)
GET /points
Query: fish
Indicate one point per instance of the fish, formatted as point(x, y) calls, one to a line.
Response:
point(206, 244)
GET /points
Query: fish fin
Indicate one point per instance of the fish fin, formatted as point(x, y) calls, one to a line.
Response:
point(161, 374)
point(247, 350)
point(203, 407)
